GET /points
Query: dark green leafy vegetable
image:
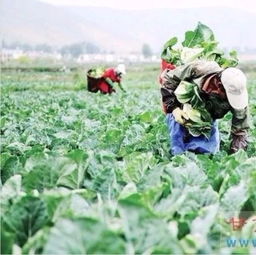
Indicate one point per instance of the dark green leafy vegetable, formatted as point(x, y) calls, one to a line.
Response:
point(199, 121)
point(87, 173)
point(198, 44)
point(77, 238)
point(25, 218)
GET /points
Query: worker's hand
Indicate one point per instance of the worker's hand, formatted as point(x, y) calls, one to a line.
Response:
point(179, 115)
point(239, 141)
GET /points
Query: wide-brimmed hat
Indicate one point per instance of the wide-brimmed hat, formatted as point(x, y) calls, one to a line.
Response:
point(234, 83)
point(121, 69)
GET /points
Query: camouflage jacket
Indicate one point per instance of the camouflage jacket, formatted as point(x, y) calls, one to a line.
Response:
point(216, 104)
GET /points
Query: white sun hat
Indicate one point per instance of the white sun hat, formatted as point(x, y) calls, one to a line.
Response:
point(234, 83)
point(121, 69)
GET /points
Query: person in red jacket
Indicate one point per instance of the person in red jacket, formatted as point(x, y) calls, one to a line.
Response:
point(111, 76)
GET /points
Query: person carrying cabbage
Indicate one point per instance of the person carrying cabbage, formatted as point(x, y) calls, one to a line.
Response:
point(194, 96)
point(102, 80)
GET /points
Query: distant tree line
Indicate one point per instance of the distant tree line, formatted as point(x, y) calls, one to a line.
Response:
point(73, 50)
point(77, 49)
point(27, 47)
point(146, 50)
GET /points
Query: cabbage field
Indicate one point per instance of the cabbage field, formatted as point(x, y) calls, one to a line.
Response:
point(85, 173)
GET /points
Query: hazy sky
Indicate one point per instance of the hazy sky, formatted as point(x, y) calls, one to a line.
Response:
point(249, 5)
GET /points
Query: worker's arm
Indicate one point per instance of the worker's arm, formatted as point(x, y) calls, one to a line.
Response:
point(121, 86)
point(109, 82)
point(240, 125)
point(172, 78)
point(170, 81)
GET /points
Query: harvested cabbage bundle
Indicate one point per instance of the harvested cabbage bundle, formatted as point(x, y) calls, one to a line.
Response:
point(199, 119)
point(199, 43)
point(188, 92)
point(96, 72)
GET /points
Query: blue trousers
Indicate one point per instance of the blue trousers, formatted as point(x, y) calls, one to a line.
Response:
point(181, 141)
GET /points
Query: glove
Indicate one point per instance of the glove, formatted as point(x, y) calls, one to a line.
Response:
point(239, 141)
point(179, 115)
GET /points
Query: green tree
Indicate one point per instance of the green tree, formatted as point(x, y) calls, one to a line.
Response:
point(77, 49)
point(92, 48)
point(43, 47)
point(146, 50)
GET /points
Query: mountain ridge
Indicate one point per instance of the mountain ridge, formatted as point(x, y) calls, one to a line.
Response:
point(36, 22)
